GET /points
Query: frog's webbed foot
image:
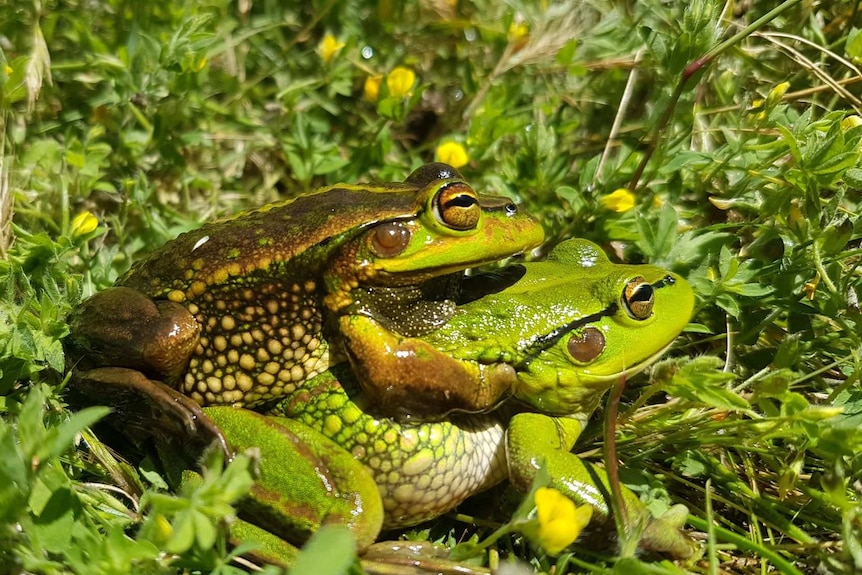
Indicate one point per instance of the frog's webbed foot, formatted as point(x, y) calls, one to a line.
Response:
point(146, 408)
point(533, 438)
point(414, 558)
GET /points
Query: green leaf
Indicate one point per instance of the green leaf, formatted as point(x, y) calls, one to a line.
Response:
point(658, 241)
point(60, 438)
point(330, 551)
point(53, 526)
point(183, 536)
point(853, 45)
point(853, 177)
point(700, 381)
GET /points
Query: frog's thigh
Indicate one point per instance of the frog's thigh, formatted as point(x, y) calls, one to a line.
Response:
point(534, 438)
point(306, 479)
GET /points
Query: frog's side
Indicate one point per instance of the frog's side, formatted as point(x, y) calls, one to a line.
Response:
point(568, 329)
point(235, 313)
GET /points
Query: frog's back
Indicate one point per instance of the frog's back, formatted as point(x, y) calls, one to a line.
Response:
point(293, 236)
point(251, 282)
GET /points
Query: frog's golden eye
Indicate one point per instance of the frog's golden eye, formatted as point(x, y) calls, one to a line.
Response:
point(638, 298)
point(457, 206)
point(390, 239)
point(586, 344)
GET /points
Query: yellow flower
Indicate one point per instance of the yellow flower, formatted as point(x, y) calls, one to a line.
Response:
point(201, 64)
point(518, 31)
point(8, 70)
point(560, 520)
point(621, 200)
point(810, 287)
point(400, 81)
point(328, 47)
point(452, 153)
point(83, 224)
point(775, 94)
point(371, 90)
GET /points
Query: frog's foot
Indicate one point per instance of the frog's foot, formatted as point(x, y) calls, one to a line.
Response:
point(414, 558)
point(664, 534)
point(147, 408)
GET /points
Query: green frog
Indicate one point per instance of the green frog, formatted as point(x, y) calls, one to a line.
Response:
point(566, 328)
point(241, 311)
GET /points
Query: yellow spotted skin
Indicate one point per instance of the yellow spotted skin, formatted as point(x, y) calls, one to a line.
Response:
point(255, 344)
point(422, 470)
point(251, 283)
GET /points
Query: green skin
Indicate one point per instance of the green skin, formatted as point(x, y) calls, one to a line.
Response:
point(241, 311)
point(422, 470)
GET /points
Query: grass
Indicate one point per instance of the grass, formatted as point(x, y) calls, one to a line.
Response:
point(732, 129)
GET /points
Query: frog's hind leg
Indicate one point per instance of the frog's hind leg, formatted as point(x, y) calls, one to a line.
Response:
point(144, 408)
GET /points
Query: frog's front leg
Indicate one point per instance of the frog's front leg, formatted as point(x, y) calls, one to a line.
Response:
point(123, 327)
point(122, 345)
point(534, 439)
point(409, 378)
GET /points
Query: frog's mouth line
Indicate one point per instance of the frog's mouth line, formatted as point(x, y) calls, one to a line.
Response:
point(550, 339)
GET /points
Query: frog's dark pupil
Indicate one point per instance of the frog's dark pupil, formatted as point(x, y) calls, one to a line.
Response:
point(390, 239)
point(586, 345)
point(460, 201)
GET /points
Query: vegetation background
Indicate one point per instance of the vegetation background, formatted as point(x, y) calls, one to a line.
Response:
point(721, 140)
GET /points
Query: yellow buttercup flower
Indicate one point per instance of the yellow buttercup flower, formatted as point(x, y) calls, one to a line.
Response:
point(775, 94)
point(371, 90)
point(518, 31)
point(810, 287)
point(84, 223)
point(620, 200)
point(8, 70)
point(560, 520)
point(328, 48)
point(452, 153)
point(400, 81)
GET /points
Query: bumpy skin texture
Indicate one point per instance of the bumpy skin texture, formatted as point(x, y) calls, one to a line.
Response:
point(424, 469)
point(421, 470)
point(235, 313)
